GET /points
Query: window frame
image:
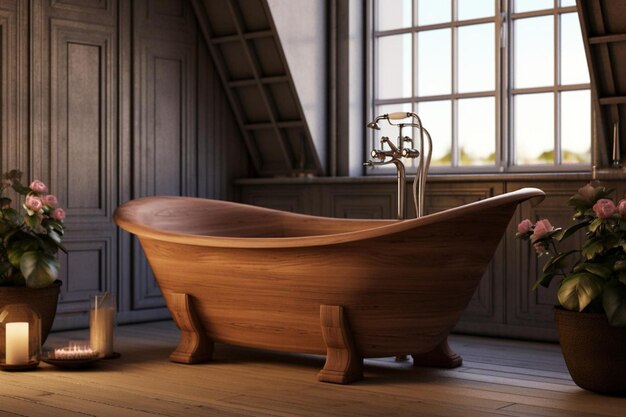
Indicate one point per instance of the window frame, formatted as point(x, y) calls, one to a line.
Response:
point(504, 93)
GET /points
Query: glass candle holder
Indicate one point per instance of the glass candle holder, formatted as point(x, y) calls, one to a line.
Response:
point(102, 324)
point(20, 337)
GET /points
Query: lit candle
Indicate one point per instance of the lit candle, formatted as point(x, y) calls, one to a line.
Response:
point(74, 352)
point(17, 343)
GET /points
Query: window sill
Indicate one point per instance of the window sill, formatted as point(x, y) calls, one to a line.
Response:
point(525, 177)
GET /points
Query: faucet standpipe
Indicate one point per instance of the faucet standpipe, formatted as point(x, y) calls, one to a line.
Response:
point(397, 152)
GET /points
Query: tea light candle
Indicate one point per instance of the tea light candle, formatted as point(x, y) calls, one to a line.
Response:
point(75, 352)
point(17, 343)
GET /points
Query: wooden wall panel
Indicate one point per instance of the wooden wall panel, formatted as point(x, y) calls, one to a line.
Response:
point(79, 154)
point(14, 77)
point(165, 114)
point(533, 309)
point(108, 100)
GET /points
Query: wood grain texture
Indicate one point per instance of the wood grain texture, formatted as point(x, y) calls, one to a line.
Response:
point(343, 362)
point(259, 276)
point(193, 347)
point(499, 378)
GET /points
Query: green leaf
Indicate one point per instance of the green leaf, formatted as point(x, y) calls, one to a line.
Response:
point(565, 233)
point(21, 189)
point(595, 224)
point(39, 269)
point(544, 280)
point(17, 250)
point(4, 201)
point(578, 290)
point(597, 269)
point(614, 302)
point(592, 247)
point(619, 266)
point(622, 277)
point(557, 261)
point(4, 268)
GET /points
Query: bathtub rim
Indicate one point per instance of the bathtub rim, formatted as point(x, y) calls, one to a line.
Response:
point(129, 211)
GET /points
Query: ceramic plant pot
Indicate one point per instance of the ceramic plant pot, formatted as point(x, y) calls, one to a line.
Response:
point(42, 300)
point(594, 351)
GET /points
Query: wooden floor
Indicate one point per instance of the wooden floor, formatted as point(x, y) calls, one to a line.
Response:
point(498, 378)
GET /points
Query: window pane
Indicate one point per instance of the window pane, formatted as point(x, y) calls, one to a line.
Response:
point(534, 52)
point(434, 62)
point(576, 127)
point(574, 68)
point(474, 9)
point(477, 131)
point(529, 5)
point(567, 3)
point(534, 128)
point(436, 117)
point(393, 14)
point(393, 66)
point(433, 11)
point(476, 58)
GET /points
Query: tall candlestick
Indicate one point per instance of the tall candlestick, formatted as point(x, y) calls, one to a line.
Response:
point(17, 343)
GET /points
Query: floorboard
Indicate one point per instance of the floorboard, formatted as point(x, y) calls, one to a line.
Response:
point(498, 378)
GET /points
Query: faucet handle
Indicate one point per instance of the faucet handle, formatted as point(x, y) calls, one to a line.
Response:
point(410, 153)
point(380, 154)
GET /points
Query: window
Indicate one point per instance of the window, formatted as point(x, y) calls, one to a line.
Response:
point(499, 88)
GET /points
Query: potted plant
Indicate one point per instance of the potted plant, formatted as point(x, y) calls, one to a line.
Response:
point(591, 316)
point(31, 239)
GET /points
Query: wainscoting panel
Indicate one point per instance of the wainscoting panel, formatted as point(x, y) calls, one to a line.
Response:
point(78, 157)
point(105, 101)
point(524, 306)
point(165, 111)
point(14, 78)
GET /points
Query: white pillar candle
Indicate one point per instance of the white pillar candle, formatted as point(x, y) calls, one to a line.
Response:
point(17, 343)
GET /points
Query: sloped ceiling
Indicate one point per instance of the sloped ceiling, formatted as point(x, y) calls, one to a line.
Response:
point(244, 44)
point(603, 24)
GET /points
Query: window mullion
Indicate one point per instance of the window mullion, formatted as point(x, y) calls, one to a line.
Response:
point(454, 146)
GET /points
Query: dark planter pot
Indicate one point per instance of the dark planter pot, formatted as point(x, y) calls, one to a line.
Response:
point(594, 352)
point(42, 300)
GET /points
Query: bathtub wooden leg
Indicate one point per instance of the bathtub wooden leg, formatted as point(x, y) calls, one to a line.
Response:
point(441, 356)
point(343, 362)
point(194, 346)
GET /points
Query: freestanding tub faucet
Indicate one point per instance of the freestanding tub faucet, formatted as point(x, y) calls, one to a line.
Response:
point(397, 151)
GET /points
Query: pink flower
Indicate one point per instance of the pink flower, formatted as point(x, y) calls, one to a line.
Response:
point(539, 247)
point(542, 228)
point(587, 192)
point(38, 186)
point(50, 200)
point(604, 208)
point(525, 226)
point(33, 203)
point(621, 208)
point(58, 214)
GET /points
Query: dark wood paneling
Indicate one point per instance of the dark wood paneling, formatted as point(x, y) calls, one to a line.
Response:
point(79, 157)
point(165, 114)
point(108, 100)
point(377, 202)
point(296, 199)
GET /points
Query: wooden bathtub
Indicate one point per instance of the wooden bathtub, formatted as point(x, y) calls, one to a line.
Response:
point(349, 289)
